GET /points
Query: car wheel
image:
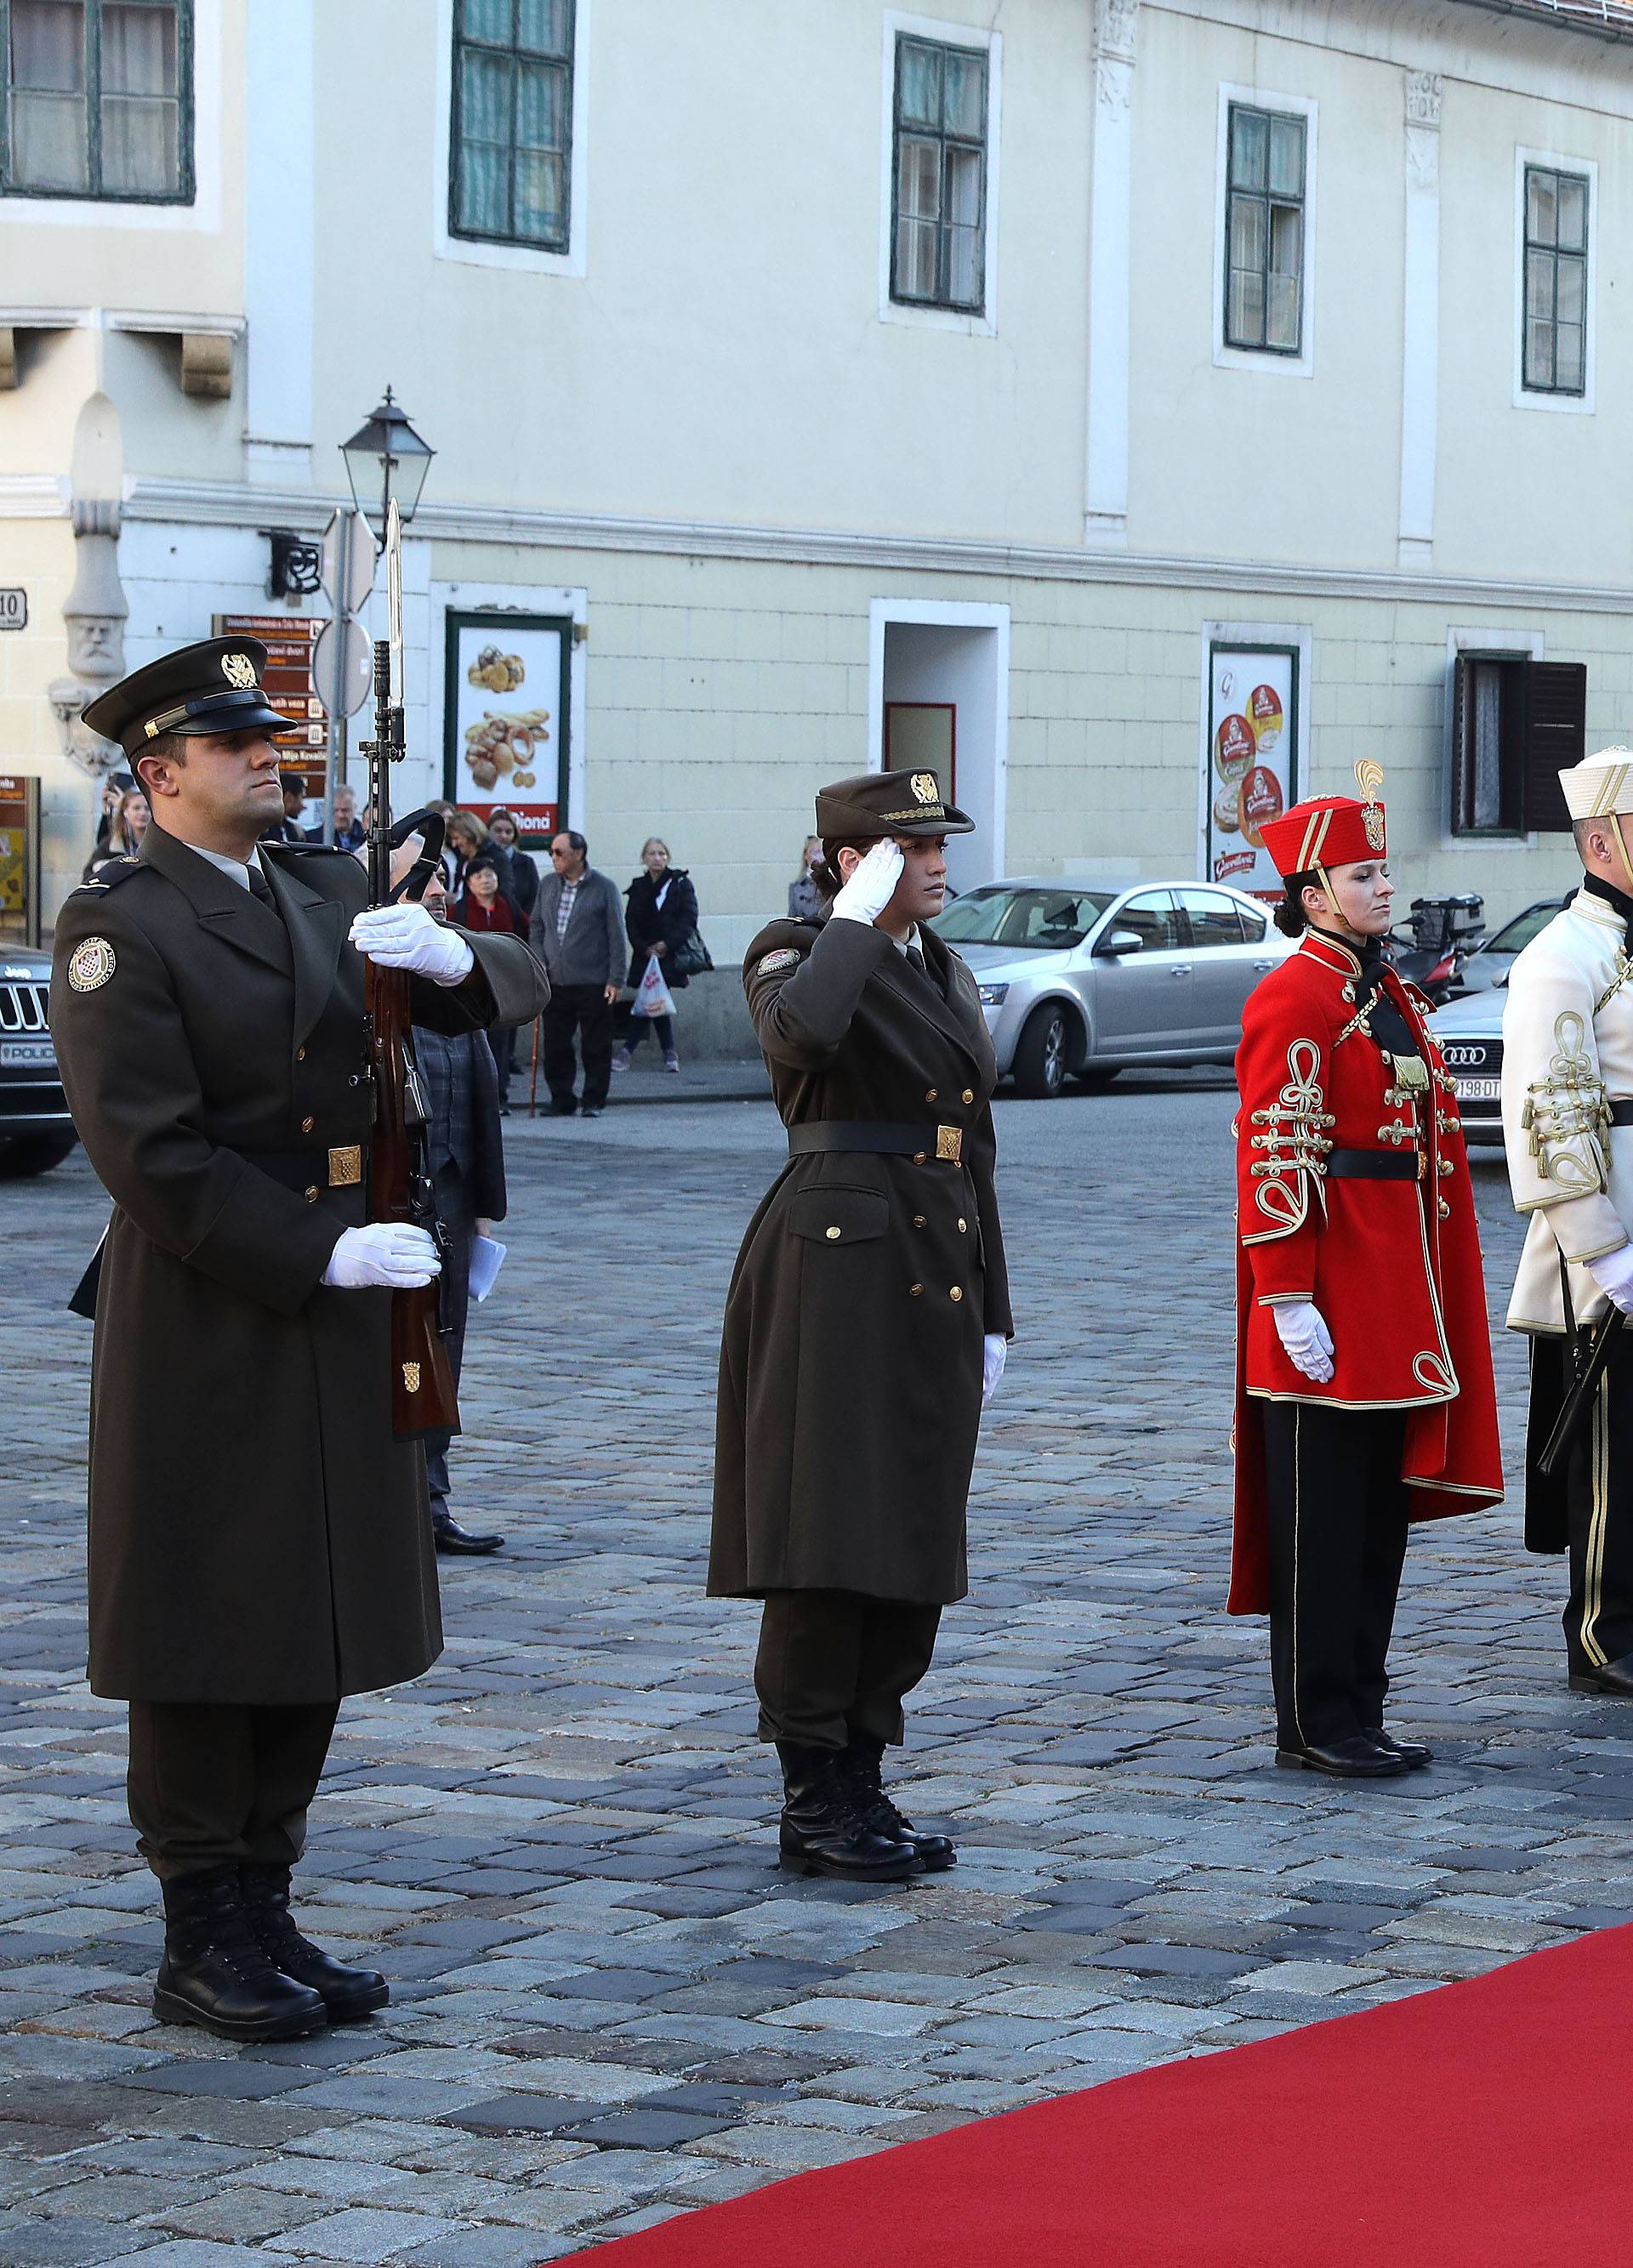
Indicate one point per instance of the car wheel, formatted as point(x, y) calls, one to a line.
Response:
point(33, 1153)
point(1041, 1052)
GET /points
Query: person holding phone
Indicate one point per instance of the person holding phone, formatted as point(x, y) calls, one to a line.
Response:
point(867, 1322)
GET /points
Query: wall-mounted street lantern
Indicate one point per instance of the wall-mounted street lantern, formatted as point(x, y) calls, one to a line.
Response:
point(385, 458)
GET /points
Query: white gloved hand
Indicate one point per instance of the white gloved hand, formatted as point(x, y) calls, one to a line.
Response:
point(1613, 1272)
point(405, 936)
point(994, 1354)
point(872, 885)
point(388, 1253)
point(1308, 1341)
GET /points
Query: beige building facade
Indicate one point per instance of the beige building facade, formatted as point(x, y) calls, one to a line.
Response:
point(854, 384)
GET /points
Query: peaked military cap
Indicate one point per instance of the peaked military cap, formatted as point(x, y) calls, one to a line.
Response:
point(888, 803)
point(212, 687)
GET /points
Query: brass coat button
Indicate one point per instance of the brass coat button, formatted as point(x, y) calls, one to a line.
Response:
point(312, 1196)
point(918, 1157)
point(300, 1055)
point(969, 1094)
point(1445, 1210)
point(956, 1294)
point(963, 1228)
point(918, 1221)
point(832, 1235)
point(307, 1125)
point(932, 1093)
point(914, 1290)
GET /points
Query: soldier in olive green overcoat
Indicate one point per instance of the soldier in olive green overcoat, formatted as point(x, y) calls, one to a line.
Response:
point(867, 1320)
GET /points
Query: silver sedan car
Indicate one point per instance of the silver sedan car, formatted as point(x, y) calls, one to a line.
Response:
point(1085, 979)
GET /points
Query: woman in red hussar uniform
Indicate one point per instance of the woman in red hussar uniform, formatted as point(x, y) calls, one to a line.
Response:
point(1364, 1395)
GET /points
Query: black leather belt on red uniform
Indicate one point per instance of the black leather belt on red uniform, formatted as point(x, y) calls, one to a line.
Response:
point(1373, 1166)
point(921, 1144)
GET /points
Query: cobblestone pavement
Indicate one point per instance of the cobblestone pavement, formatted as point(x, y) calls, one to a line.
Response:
point(607, 2005)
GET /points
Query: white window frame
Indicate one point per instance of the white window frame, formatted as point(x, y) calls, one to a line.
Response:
point(1229, 357)
point(468, 251)
point(990, 44)
point(1572, 405)
point(202, 217)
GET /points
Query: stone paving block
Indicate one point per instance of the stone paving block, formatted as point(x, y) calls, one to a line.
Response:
point(645, 2128)
point(490, 2247)
point(364, 2234)
point(74, 2243)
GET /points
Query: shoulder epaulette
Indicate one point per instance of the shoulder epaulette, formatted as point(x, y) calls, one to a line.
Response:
point(109, 875)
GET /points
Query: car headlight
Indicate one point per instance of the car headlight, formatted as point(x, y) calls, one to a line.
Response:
point(994, 996)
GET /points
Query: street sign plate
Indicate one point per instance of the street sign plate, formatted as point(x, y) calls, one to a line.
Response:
point(348, 561)
point(343, 647)
point(13, 609)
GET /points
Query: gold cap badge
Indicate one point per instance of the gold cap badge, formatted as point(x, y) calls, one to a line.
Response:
point(924, 787)
point(238, 669)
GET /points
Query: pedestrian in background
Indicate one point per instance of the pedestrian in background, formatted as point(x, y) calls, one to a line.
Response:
point(483, 907)
point(577, 934)
point(661, 915)
point(115, 786)
point(290, 828)
point(466, 835)
point(519, 877)
point(126, 828)
point(805, 900)
point(465, 1157)
point(346, 831)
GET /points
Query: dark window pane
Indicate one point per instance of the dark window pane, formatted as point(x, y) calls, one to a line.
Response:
point(540, 201)
point(513, 121)
point(541, 105)
point(1247, 301)
point(918, 180)
point(1539, 356)
point(1539, 286)
point(1571, 290)
point(1287, 157)
point(1249, 149)
point(964, 266)
point(964, 186)
point(1247, 233)
point(486, 19)
point(1569, 357)
point(138, 49)
point(964, 109)
point(544, 28)
point(1542, 207)
point(49, 45)
point(1572, 213)
point(919, 101)
point(915, 258)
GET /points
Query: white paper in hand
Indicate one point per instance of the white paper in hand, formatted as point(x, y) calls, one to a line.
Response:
point(487, 1257)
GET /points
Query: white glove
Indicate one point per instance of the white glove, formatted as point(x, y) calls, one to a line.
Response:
point(1306, 1337)
point(872, 885)
point(405, 936)
point(389, 1253)
point(994, 1354)
point(1613, 1272)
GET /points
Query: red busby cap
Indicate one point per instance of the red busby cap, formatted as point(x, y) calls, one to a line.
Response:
point(1329, 830)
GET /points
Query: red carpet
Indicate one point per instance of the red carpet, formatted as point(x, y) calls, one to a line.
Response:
point(1490, 2118)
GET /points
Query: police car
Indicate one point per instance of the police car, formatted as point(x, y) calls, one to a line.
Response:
point(36, 1131)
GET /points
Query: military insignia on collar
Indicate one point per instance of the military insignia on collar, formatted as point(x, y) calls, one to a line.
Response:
point(771, 963)
point(924, 787)
point(90, 965)
point(238, 669)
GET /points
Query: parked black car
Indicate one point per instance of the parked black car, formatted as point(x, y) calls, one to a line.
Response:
point(36, 1131)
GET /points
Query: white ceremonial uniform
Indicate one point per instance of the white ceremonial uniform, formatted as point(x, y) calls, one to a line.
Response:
point(1568, 1128)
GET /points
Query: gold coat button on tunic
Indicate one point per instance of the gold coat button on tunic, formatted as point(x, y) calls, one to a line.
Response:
point(932, 1093)
point(914, 1290)
point(312, 1196)
point(300, 1055)
point(918, 1221)
point(307, 1125)
point(918, 1157)
point(956, 1294)
point(969, 1094)
point(832, 1235)
point(963, 1228)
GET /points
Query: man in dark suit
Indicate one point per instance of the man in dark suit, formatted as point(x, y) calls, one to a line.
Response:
point(465, 1156)
point(288, 829)
point(260, 1540)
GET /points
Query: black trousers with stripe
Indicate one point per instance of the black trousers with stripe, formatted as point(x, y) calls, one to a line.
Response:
point(1338, 1530)
point(1599, 1523)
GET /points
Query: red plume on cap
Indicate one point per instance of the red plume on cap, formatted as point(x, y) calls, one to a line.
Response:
point(1330, 830)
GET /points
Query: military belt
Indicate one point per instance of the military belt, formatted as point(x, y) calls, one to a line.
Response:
point(1374, 1165)
point(921, 1144)
point(1621, 1113)
point(309, 1171)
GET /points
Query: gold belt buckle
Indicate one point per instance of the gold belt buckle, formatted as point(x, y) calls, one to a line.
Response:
point(1422, 1165)
point(949, 1144)
point(345, 1166)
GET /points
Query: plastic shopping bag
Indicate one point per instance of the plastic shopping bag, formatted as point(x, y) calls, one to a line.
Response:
point(652, 994)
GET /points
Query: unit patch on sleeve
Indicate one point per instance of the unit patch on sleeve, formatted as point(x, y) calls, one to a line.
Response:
point(90, 965)
point(771, 963)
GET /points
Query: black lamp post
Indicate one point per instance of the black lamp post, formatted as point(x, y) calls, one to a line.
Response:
point(385, 458)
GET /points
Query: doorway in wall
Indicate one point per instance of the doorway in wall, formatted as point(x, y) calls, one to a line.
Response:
point(939, 702)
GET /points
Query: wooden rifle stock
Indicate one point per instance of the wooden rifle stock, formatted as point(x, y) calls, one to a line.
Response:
point(422, 1396)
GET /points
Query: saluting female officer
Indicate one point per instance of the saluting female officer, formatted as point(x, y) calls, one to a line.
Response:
point(1364, 1396)
point(867, 1322)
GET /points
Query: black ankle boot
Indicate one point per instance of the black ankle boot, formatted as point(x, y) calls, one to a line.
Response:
point(347, 1993)
point(860, 1764)
point(215, 1972)
point(822, 1831)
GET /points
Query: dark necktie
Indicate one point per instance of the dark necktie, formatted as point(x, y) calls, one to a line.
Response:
point(916, 960)
point(260, 888)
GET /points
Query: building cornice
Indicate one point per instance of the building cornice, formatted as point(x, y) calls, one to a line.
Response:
point(199, 502)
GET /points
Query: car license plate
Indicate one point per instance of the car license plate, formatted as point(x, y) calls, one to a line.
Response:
point(1478, 1090)
point(19, 1055)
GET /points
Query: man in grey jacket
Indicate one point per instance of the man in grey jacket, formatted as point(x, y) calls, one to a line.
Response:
point(577, 931)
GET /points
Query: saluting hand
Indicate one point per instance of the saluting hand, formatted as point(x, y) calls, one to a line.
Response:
point(872, 884)
point(404, 936)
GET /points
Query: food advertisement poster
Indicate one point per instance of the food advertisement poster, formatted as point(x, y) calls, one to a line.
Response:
point(1252, 741)
point(506, 712)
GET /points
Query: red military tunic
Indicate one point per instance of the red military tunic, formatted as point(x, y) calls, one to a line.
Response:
point(1394, 1266)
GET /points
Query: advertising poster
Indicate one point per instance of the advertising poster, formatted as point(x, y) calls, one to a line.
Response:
point(507, 711)
point(1252, 740)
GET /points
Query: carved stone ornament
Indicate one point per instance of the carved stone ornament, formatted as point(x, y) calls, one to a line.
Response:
point(94, 615)
point(1114, 25)
point(1423, 92)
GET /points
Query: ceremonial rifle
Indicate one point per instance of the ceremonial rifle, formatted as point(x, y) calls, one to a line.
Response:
point(422, 1396)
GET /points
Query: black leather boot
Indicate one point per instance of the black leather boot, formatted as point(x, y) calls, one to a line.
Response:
point(347, 1993)
point(861, 1764)
point(823, 1830)
point(215, 1972)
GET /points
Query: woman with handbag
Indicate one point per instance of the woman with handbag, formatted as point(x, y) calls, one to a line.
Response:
point(661, 920)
